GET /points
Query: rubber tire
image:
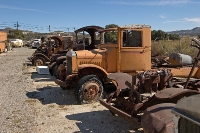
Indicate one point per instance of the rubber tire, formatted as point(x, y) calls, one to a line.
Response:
point(43, 60)
point(79, 89)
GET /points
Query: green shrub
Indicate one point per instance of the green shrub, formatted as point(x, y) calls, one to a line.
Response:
point(167, 47)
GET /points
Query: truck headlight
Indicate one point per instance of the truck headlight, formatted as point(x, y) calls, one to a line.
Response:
point(71, 57)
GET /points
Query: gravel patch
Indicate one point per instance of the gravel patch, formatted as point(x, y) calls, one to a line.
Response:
point(17, 112)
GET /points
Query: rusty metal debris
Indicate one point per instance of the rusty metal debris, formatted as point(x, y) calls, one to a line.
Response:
point(149, 97)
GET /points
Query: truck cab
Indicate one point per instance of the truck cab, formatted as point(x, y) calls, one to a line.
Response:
point(122, 49)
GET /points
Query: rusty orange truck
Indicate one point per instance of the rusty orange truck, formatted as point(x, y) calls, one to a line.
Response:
point(125, 49)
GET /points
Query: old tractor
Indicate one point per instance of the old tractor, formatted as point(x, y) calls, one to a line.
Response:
point(85, 39)
point(43, 54)
point(148, 97)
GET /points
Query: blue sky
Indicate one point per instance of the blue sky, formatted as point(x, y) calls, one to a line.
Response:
point(37, 15)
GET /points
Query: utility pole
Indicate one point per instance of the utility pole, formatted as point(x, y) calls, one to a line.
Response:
point(49, 28)
point(17, 25)
point(68, 31)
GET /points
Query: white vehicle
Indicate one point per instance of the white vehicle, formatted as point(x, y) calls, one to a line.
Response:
point(36, 43)
point(16, 42)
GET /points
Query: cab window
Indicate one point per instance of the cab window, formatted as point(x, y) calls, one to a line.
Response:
point(132, 38)
point(110, 37)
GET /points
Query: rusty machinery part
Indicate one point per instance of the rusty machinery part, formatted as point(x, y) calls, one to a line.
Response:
point(159, 79)
point(61, 67)
point(187, 115)
point(39, 61)
point(193, 84)
point(51, 65)
point(124, 107)
point(158, 119)
point(159, 61)
point(150, 89)
point(146, 82)
point(61, 72)
point(89, 89)
point(71, 80)
point(167, 117)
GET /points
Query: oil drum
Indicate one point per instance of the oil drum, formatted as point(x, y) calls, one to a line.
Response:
point(180, 59)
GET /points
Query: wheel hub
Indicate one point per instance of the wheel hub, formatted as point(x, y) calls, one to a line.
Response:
point(91, 91)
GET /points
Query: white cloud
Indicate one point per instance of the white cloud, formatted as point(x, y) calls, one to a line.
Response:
point(193, 20)
point(173, 21)
point(18, 8)
point(150, 2)
point(162, 16)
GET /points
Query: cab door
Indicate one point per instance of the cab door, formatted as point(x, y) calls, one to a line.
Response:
point(135, 50)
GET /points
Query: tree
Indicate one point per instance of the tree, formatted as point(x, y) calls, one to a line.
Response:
point(15, 34)
point(110, 36)
point(174, 37)
point(29, 36)
point(161, 35)
point(154, 35)
point(111, 26)
point(158, 35)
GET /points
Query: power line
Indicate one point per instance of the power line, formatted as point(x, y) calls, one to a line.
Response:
point(34, 27)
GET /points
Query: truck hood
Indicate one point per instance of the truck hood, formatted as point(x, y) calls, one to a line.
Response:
point(90, 54)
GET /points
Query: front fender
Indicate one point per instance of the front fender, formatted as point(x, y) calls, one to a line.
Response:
point(42, 55)
point(87, 69)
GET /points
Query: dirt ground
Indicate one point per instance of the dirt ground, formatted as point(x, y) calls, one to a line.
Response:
point(58, 111)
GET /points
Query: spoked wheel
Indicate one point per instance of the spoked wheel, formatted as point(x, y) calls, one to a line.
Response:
point(39, 61)
point(89, 89)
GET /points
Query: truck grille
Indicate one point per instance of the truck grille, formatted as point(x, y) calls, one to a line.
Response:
point(85, 62)
point(186, 126)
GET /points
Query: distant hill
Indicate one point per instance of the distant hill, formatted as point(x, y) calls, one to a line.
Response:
point(193, 32)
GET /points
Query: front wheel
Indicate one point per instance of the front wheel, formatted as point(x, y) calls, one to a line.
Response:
point(89, 89)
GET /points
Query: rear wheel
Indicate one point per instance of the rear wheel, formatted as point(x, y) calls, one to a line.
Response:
point(39, 61)
point(89, 89)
